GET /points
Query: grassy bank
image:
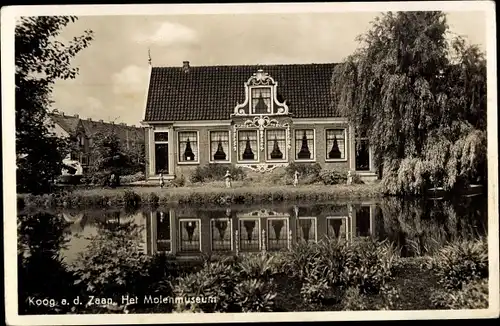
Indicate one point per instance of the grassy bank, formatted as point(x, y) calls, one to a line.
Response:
point(209, 193)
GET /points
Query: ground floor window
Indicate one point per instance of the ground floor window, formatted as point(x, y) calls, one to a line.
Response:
point(161, 152)
point(362, 154)
point(247, 145)
point(363, 223)
point(277, 234)
point(221, 234)
point(304, 144)
point(219, 146)
point(188, 146)
point(306, 229)
point(276, 145)
point(249, 235)
point(335, 144)
point(337, 227)
point(190, 235)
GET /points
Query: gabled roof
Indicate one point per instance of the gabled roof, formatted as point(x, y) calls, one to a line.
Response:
point(212, 92)
point(68, 123)
point(91, 127)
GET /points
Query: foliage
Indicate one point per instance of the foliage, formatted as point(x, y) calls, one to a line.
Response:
point(255, 295)
point(353, 300)
point(213, 172)
point(333, 177)
point(419, 99)
point(153, 199)
point(139, 176)
point(40, 60)
point(308, 172)
point(460, 263)
point(179, 181)
point(474, 295)
point(113, 265)
point(131, 199)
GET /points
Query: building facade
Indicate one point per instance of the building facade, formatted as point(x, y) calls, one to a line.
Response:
point(255, 117)
point(82, 131)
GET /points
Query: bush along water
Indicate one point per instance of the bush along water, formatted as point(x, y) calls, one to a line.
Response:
point(216, 172)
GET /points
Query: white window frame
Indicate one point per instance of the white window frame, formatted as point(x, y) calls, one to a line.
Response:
point(198, 220)
point(154, 236)
point(295, 145)
point(242, 219)
point(256, 150)
point(228, 155)
point(230, 224)
point(250, 91)
point(339, 218)
point(179, 152)
point(327, 150)
point(160, 142)
point(315, 225)
point(283, 150)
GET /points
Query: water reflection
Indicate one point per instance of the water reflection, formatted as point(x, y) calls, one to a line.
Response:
point(415, 226)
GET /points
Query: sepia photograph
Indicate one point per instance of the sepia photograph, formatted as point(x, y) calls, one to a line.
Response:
point(250, 162)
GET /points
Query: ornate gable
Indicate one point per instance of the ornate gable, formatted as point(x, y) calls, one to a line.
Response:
point(261, 97)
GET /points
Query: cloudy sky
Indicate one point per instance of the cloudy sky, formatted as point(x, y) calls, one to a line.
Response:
point(113, 69)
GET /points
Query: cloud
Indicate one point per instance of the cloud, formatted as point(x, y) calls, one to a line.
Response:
point(168, 33)
point(131, 80)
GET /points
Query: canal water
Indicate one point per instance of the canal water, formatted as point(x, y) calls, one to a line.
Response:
point(414, 226)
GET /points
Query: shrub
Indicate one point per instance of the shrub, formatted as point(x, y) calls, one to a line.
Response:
point(255, 295)
point(353, 299)
point(333, 177)
point(460, 263)
point(473, 296)
point(309, 172)
point(215, 280)
point(139, 176)
point(216, 172)
point(259, 266)
point(179, 181)
point(314, 288)
point(153, 199)
point(131, 199)
point(69, 179)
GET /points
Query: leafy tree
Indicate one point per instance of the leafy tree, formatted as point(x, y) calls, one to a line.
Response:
point(420, 99)
point(40, 60)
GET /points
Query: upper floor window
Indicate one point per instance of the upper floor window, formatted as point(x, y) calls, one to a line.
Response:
point(275, 145)
point(261, 100)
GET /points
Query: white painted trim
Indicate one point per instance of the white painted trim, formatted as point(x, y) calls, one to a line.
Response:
point(210, 158)
point(332, 120)
point(315, 225)
point(152, 152)
point(295, 147)
point(209, 123)
point(345, 146)
point(255, 150)
point(339, 218)
point(197, 161)
point(230, 225)
point(150, 68)
point(241, 219)
point(198, 220)
point(270, 161)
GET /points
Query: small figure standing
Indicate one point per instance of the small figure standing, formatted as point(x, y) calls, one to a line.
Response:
point(228, 179)
point(112, 182)
point(296, 178)
point(349, 177)
point(162, 181)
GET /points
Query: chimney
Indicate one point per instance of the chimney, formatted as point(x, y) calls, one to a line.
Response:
point(185, 66)
point(89, 119)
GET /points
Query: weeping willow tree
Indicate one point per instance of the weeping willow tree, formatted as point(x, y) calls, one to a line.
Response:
point(420, 98)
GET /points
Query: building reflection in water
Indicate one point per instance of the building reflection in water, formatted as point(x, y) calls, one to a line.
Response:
point(188, 232)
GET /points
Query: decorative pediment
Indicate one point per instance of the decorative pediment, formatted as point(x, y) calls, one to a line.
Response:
point(262, 213)
point(261, 97)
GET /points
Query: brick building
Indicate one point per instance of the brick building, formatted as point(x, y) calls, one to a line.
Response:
point(256, 117)
point(82, 131)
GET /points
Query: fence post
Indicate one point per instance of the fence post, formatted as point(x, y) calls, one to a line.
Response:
point(290, 239)
point(237, 244)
